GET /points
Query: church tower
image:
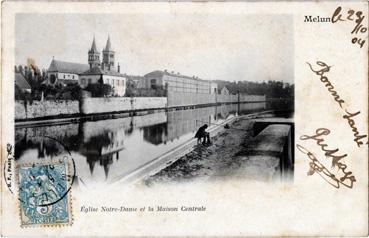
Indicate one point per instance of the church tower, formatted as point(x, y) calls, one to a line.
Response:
point(93, 55)
point(108, 56)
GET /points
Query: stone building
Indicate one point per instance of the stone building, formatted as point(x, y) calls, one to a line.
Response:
point(95, 75)
point(105, 71)
point(178, 83)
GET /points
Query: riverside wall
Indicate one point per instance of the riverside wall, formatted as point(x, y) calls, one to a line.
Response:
point(120, 104)
point(87, 106)
point(45, 109)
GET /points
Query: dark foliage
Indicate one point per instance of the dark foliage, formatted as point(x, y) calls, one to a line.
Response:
point(272, 89)
point(99, 90)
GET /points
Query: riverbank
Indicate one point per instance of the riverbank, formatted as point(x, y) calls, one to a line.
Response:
point(78, 117)
point(219, 161)
point(86, 106)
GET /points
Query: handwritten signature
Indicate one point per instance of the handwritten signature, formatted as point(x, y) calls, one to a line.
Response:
point(356, 16)
point(317, 166)
point(348, 115)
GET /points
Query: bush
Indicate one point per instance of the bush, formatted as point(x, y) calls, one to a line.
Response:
point(99, 90)
point(18, 94)
point(146, 92)
point(21, 95)
point(72, 92)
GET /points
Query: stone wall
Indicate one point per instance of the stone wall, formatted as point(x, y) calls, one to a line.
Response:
point(148, 102)
point(45, 109)
point(105, 105)
point(20, 110)
point(188, 99)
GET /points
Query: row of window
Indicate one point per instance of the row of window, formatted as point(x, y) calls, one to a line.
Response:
point(199, 87)
point(189, 90)
point(93, 57)
point(187, 80)
point(117, 82)
point(111, 56)
point(68, 76)
point(113, 82)
point(183, 84)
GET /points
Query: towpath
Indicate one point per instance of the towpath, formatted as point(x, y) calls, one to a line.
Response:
point(218, 161)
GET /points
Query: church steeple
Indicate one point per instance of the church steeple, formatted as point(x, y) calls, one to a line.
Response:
point(93, 46)
point(108, 56)
point(93, 55)
point(108, 45)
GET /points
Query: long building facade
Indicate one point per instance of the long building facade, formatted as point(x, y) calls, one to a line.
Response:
point(178, 83)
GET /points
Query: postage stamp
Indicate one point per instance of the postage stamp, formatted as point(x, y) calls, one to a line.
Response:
point(44, 194)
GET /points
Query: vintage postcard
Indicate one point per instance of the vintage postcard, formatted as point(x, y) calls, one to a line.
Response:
point(122, 119)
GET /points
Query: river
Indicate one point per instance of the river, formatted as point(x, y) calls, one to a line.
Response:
point(106, 150)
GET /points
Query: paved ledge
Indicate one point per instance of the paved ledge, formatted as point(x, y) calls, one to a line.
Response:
point(165, 160)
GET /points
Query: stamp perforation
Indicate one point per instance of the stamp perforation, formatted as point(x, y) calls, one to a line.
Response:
point(68, 195)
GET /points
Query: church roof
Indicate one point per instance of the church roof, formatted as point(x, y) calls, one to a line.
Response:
point(67, 67)
point(98, 71)
point(21, 81)
point(108, 45)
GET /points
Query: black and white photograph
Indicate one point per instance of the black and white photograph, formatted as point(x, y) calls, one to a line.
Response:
point(152, 103)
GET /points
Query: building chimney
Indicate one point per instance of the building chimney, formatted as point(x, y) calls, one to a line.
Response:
point(118, 68)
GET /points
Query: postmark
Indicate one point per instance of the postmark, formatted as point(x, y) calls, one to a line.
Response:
point(44, 190)
point(8, 167)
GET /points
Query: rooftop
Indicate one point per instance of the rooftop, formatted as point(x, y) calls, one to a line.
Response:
point(160, 73)
point(67, 67)
point(21, 81)
point(98, 71)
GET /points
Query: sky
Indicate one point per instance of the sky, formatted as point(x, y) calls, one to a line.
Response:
point(233, 47)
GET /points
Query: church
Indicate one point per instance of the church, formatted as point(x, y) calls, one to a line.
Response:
point(96, 71)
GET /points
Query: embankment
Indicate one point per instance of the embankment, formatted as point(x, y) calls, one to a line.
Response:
point(44, 109)
point(57, 109)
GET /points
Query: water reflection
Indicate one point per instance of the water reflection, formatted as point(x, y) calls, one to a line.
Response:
point(156, 134)
point(103, 148)
point(106, 150)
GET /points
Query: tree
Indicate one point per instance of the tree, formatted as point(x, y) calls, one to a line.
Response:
point(272, 89)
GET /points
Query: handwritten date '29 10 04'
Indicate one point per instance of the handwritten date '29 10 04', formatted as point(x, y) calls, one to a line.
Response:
point(358, 18)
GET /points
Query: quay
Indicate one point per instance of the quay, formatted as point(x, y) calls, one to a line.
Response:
point(184, 153)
